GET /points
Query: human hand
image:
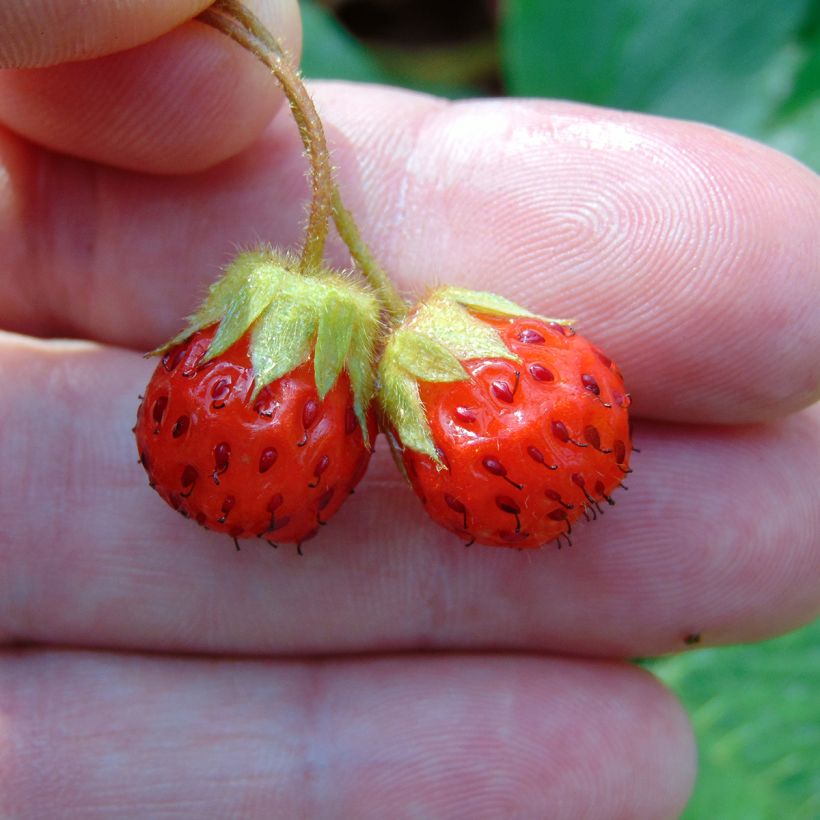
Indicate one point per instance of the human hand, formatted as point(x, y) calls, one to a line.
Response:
point(262, 683)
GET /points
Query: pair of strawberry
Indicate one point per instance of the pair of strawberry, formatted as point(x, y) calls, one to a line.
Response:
point(261, 415)
point(509, 427)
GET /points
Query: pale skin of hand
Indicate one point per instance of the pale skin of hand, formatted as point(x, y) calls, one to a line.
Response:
point(688, 254)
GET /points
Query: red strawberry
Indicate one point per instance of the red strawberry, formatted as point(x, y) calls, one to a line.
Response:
point(257, 420)
point(509, 427)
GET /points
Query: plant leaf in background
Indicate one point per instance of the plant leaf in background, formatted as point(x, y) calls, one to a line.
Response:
point(329, 51)
point(756, 713)
point(796, 127)
point(732, 63)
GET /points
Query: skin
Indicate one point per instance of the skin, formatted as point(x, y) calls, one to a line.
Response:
point(265, 684)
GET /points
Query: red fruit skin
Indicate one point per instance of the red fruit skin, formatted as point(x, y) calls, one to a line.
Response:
point(528, 454)
point(278, 467)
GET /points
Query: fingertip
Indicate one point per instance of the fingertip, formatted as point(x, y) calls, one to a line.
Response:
point(534, 737)
point(40, 33)
point(689, 254)
point(177, 104)
point(741, 318)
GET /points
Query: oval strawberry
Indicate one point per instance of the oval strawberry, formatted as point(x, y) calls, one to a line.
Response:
point(257, 420)
point(509, 427)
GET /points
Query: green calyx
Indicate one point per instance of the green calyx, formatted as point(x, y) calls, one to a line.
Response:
point(291, 314)
point(430, 345)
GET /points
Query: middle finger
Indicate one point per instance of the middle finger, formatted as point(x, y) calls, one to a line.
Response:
point(716, 536)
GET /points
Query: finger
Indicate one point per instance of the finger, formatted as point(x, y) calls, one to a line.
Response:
point(717, 536)
point(41, 33)
point(179, 103)
point(408, 737)
point(669, 240)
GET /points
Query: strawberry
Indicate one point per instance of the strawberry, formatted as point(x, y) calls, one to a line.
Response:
point(508, 426)
point(257, 420)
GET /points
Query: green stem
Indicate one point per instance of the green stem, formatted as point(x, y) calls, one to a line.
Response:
point(393, 303)
point(234, 19)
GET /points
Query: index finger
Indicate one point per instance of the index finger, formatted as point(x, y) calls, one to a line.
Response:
point(690, 255)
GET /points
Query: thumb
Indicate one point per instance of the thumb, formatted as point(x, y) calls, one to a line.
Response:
point(137, 83)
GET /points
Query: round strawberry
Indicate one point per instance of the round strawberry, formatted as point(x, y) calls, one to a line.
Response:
point(509, 427)
point(257, 420)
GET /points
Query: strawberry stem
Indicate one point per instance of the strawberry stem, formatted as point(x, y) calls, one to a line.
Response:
point(346, 225)
point(237, 22)
point(234, 20)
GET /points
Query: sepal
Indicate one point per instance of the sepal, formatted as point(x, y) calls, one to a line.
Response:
point(291, 315)
point(430, 345)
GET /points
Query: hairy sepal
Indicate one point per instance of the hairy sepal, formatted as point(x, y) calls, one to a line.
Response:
point(290, 316)
point(443, 331)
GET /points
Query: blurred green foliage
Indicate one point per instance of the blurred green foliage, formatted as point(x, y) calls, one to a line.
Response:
point(752, 66)
point(329, 51)
point(746, 65)
point(756, 713)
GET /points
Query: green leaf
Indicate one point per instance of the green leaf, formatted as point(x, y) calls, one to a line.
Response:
point(483, 302)
point(726, 62)
point(756, 714)
point(349, 326)
point(430, 346)
point(330, 51)
point(399, 396)
point(246, 295)
point(805, 88)
point(281, 341)
point(360, 368)
point(795, 128)
point(259, 270)
point(332, 343)
point(492, 304)
point(425, 358)
point(458, 331)
point(286, 311)
point(798, 134)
